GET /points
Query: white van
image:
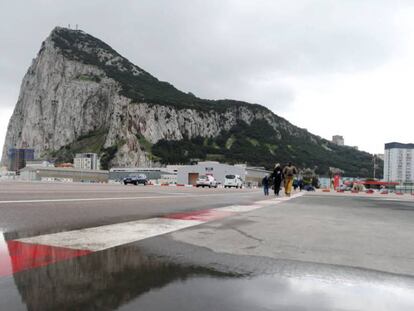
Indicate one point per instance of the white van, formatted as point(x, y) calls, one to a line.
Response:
point(206, 181)
point(233, 181)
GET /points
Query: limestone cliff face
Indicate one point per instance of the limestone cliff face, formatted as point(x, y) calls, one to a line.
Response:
point(58, 102)
point(71, 89)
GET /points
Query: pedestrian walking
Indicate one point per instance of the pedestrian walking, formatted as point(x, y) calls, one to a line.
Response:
point(295, 184)
point(301, 184)
point(266, 184)
point(277, 177)
point(289, 172)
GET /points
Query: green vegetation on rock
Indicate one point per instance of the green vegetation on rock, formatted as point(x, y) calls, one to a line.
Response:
point(144, 144)
point(93, 78)
point(90, 142)
point(139, 87)
point(107, 155)
point(258, 144)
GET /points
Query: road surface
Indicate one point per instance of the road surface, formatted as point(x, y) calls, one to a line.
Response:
point(114, 247)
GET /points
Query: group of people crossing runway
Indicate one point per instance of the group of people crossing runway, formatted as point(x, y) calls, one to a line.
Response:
point(279, 175)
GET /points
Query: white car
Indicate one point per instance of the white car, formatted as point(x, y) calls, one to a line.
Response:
point(206, 181)
point(233, 181)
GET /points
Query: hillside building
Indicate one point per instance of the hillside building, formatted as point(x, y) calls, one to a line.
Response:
point(86, 161)
point(338, 140)
point(398, 162)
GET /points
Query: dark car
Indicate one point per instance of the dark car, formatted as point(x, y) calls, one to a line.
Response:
point(308, 188)
point(136, 180)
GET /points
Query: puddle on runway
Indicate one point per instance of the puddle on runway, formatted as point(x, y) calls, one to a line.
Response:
point(103, 280)
point(123, 278)
point(272, 293)
point(5, 262)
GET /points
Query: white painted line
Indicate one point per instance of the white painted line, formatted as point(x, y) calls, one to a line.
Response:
point(238, 208)
point(183, 195)
point(87, 199)
point(267, 202)
point(104, 237)
point(277, 200)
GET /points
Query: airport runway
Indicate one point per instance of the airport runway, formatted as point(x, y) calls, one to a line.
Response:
point(111, 247)
point(37, 208)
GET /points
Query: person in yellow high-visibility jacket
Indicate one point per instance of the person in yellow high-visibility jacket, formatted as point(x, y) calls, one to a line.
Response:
point(289, 172)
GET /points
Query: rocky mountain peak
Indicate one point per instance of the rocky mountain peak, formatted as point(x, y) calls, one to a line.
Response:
point(80, 95)
point(78, 45)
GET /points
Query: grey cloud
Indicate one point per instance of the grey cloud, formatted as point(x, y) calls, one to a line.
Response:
point(215, 49)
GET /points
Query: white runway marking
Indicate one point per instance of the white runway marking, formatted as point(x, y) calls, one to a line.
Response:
point(87, 199)
point(183, 195)
point(104, 237)
point(239, 208)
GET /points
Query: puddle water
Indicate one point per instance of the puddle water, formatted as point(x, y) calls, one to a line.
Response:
point(99, 281)
point(5, 261)
point(125, 279)
point(272, 293)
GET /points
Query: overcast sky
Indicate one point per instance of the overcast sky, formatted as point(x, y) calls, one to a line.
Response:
point(333, 67)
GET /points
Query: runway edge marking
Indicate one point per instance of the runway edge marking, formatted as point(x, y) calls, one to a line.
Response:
point(38, 251)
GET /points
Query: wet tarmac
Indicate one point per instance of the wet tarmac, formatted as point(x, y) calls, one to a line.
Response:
point(171, 273)
point(271, 292)
point(134, 277)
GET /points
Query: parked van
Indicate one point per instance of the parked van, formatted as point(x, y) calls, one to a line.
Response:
point(233, 181)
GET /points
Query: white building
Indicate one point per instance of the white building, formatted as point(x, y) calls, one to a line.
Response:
point(398, 162)
point(188, 174)
point(338, 139)
point(86, 161)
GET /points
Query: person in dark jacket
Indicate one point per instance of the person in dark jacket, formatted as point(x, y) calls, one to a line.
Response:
point(277, 177)
point(266, 184)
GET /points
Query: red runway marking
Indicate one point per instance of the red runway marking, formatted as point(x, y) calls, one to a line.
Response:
point(204, 215)
point(17, 256)
point(20, 256)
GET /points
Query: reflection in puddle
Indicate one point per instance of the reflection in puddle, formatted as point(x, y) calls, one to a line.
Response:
point(273, 293)
point(9, 296)
point(100, 281)
point(125, 279)
point(5, 262)
point(17, 256)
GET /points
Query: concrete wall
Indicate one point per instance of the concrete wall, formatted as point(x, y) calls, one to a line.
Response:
point(63, 174)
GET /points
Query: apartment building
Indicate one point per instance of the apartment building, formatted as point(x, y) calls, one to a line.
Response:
point(398, 162)
point(86, 161)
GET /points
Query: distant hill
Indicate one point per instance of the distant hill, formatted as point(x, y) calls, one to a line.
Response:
point(81, 95)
